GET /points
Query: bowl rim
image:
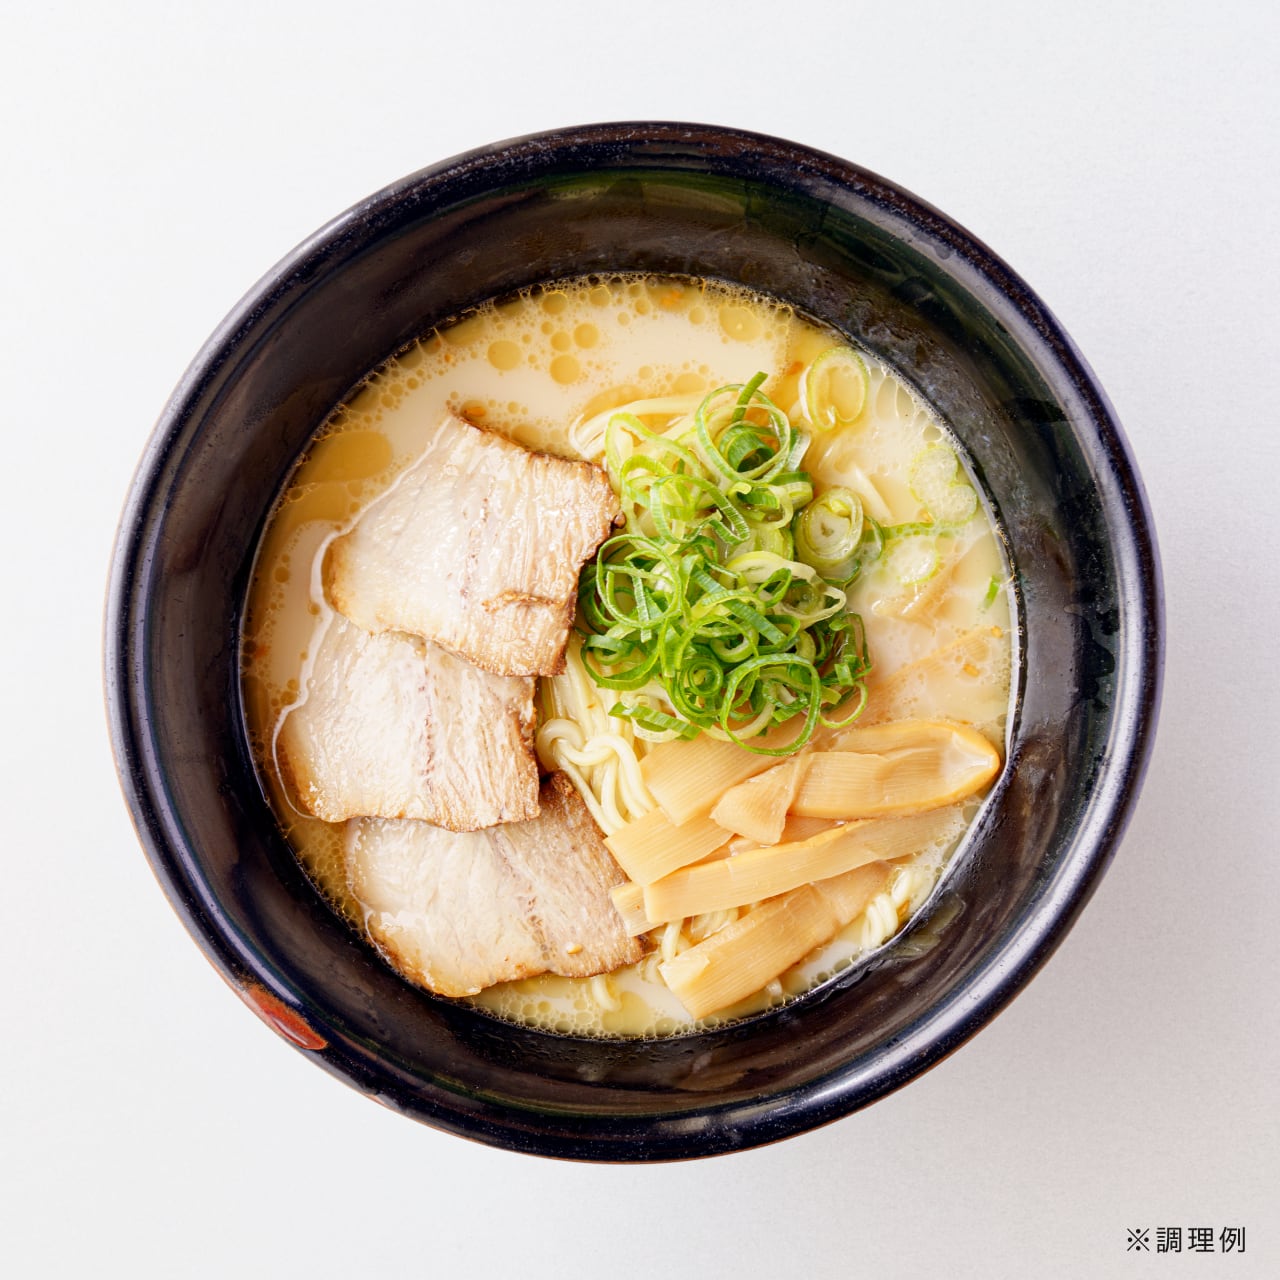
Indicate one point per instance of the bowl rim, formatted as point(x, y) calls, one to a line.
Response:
point(949, 1023)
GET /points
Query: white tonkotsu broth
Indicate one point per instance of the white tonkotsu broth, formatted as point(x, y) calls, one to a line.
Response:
point(532, 368)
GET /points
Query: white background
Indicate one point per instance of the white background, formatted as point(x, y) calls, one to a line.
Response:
point(157, 159)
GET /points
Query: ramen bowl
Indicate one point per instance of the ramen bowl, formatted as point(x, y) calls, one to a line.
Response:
point(842, 246)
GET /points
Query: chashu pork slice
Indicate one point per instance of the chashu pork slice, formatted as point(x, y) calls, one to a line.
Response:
point(459, 912)
point(477, 548)
point(389, 726)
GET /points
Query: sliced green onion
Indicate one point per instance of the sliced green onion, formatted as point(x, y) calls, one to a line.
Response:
point(794, 487)
point(833, 390)
point(655, 720)
point(828, 533)
point(873, 540)
point(940, 484)
point(737, 447)
point(759, 566)
point(771, 538)
point(702, 601)
point(913, 560)
point(757, 689)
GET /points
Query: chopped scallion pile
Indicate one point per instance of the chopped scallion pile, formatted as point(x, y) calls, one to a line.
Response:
point(721, 606)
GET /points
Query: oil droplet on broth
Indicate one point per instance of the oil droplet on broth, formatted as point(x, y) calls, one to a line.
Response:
point(504, 354)
point(352, 454)
point(323, 500)
point(465, 332)
point(740, 323)
point(565, 369)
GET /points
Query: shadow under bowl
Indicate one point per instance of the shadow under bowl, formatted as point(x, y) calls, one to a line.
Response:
point(852, 251)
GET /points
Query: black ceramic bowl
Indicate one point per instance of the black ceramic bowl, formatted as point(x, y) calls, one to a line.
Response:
point(849, 249)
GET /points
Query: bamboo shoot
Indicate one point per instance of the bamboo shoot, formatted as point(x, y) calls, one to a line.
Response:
point(741, 958)
point(793, 831)
point(653, 846)
point(964, 680)
point(907, 766)
point(687, 778)
point(628, 899)
point(755, 949)
point(758, 874)
point(758, 807)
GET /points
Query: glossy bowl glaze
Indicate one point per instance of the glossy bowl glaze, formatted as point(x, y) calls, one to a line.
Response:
point(851, 250)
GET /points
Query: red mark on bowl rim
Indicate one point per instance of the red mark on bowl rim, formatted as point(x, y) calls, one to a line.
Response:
point(279, 1017)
